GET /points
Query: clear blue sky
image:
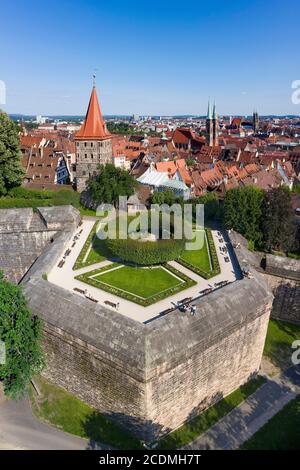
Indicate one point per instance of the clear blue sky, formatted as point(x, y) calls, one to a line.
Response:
point(153, 57)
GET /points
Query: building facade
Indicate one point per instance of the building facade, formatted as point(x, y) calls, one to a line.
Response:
point(93, 144)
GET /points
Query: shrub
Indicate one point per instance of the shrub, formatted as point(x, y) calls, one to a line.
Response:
point(146, 253)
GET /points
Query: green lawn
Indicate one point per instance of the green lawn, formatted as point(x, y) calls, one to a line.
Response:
point(198, 258)
point(144, 286)
point(144, 282)
point(282, 432)
point(99, 251)
point(278, 346)
point(197, 426)
point(66, 412)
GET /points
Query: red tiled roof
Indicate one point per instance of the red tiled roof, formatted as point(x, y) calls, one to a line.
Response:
point(94, 127)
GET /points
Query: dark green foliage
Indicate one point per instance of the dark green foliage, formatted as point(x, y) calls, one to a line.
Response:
point(278, 223)
point(111, 183)
point(146, 253)
point(243, 212)
point(11, 171)
point(211, 205)
point(21, 333)
point(164, 197)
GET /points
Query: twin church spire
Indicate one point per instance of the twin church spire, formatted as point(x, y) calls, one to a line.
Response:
point(212, 126)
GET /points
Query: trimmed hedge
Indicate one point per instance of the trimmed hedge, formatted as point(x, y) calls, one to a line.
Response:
point(146, 253)
point(131, 297)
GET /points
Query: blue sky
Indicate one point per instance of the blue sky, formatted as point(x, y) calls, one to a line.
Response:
point(157, 57)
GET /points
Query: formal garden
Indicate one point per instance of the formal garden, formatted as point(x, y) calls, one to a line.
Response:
point(139, 284)
point(139, 269)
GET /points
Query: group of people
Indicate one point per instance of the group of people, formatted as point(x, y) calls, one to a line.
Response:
point(188, 308)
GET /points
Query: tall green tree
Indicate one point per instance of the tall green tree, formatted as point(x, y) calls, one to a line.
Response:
point(243, 212)
point(11, 171)
point(21, 333)
point(278, 222)
point(111, 183)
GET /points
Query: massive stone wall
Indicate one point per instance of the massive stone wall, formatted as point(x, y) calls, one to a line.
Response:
point(150, 377)
point(24, 234)
point(282, 275)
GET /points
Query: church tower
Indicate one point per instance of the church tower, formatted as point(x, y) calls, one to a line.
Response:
point(212, 127)
point(255, 122)
point(215, 119)
point(209, 127)
point(93, 144)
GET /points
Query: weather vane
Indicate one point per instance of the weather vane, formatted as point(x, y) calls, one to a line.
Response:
point(94, 77)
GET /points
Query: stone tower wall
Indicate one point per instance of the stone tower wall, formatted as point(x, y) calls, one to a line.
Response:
point(90, 154)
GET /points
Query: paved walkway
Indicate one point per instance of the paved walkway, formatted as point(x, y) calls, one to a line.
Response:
point(246, 419)
point(19, 429)
point(65, 277)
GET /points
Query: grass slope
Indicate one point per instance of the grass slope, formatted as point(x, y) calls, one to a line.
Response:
point(278, 346)
point(68, 413)
point(282, 432)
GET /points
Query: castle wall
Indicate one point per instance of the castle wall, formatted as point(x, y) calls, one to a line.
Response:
point(150, 377)
point(181, 393)
point(286, 305)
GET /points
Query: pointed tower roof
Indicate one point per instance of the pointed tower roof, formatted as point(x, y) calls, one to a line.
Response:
point(94, 127)
point(214, 113)
point(209, 113)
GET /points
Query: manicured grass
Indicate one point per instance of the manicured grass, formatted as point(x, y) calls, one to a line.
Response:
point(68, 413)
point(278, 346)
point(144, 286)
point(198, 425)
point(199, 260)
point(98, 251)
point(144, 282)
point(282, 432)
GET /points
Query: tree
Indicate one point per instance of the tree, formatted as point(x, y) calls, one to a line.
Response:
point(111, 183)
point(278, 222)
point(243, 212)
point(158, 197)
point(11, 171)
point(211, 205)
point(164, 197)
point(21, 334)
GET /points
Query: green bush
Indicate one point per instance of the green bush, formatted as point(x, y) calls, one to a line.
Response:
point(146, 253)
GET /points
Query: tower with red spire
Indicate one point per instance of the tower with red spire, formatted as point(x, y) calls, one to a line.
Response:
point(93, 144)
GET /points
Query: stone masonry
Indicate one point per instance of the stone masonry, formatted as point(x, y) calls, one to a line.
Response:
point(152, 377)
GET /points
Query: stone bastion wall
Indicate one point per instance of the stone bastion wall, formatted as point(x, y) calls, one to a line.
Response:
point(152, 377)
point(282, 274)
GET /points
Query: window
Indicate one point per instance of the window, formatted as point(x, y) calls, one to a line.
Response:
point(85, 144)
point(92, 156)
point(91, 144)
point(85, 155)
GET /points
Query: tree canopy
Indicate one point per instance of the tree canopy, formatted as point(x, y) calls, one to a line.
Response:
point(243, 212)
point(111, 183)
point(11, 171)
point(21, 332)
point(278, 223)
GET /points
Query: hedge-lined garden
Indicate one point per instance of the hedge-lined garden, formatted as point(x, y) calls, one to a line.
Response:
point(152, 277)
point(99, 251)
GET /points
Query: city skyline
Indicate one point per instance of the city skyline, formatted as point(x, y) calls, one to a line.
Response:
point(162, 60)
